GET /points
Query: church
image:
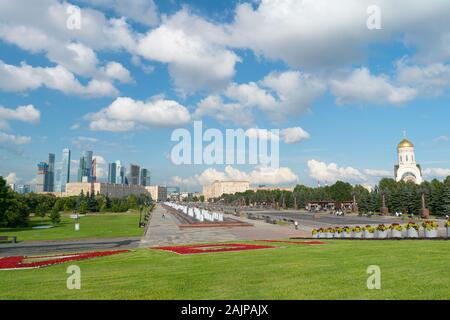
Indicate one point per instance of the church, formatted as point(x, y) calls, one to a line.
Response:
point(407, 169)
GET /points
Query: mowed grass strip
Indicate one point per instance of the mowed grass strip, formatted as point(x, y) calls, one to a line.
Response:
point(102, 225)
point(337, 270)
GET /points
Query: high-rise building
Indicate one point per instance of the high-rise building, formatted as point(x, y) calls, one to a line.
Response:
point(85, 167)
point(63, 171)
point(112, 176)
point(134, 175)
point(51, 173)
point(23, 188)
point(42, 177)
point(120, 173)
point(145, 177)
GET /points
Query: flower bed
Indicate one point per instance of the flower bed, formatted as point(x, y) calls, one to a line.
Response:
point(208, 248)
point(430, 228)
point(396, 230)
point(22, 262)
point(293, 242)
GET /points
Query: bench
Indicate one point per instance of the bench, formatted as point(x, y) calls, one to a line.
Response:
point(5, 238)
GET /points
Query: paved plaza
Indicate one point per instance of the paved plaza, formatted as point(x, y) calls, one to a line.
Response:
point(165, 231)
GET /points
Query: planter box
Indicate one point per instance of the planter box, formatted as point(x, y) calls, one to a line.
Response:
point(315, 235)
point(448, 232)
point(430, 233)
point(357, 235)
point(321, 235)
point(346, 234)
point(328, 235)
point(412, 233)
point(381, 234)
point(396, 233)
point(337, 235)
point(368, 235)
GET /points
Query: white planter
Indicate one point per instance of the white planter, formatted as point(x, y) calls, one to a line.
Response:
point(412, 233)
point(368, 235)
point(337, 235)
point(346, 234)
point(77, 227)
point(357, 235)
point(315, 235)
point(396, 233)
point(381, 234)
point(321, 234)
point(328, 235)
point(430, 233)
point(448, 232)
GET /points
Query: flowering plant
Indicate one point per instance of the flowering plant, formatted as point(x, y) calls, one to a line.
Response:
point(382, 227)
point(430, 225)
point(314, 231)
point(412, 225)
point(330, 230)
point(369, 228)
point(357, 229)
point(447, 224)
point(338, 229)
point(396, 226)
point(346, 229)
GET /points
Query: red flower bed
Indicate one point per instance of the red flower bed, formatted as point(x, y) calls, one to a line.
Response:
point(20, 262)
point(207, 248)
point(293, 242)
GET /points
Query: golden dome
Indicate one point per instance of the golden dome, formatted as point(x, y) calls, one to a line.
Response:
point(405, 143)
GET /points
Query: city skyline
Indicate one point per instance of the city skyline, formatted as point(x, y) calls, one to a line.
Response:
point(342, 104)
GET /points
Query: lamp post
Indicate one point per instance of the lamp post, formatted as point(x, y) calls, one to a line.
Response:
point(140, 215)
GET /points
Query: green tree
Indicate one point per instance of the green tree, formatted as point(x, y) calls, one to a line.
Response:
point(55, 216)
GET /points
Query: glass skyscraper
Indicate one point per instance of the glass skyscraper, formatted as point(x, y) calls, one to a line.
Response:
point(64, 171)
point(51, 173)
point(85, 167)
point(112, 170)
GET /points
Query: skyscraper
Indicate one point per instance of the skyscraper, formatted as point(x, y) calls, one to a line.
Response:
point(112, 176)
point(85, 167)
point(63, 172)
point(145, 177)
point(51, 173)
point(134, 174)
point(120, 173)
point(42, 177)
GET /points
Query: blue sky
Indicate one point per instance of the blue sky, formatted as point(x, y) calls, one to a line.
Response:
point(131, 74)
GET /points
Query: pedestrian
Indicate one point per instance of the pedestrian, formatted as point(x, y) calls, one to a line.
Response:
point(164, 216)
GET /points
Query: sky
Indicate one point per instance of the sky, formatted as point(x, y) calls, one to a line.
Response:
point(343, 81)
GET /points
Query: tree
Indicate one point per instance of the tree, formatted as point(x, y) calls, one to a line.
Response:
point(55, 216)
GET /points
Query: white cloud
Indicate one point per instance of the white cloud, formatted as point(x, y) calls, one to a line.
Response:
point(142, 11)
point(125, 114)
point(26, 77)
point(13, 139)
point(259, 175)
point(11, 178)
point(437, 172)
point(294, 135)
point(331, 172)
point(430, 79)
point(251, 95)
point(363, 87)
point(378, 173)
point(442, 138)
point(26, 113)
point(189, 54)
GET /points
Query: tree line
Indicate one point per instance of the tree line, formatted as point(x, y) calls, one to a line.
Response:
point(405, 197)
point(15, 208)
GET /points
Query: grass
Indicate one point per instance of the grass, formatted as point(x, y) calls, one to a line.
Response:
point(337, 270)
point(103, 225)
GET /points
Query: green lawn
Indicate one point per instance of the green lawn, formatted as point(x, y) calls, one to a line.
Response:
point(91, 226)
point(337, 270)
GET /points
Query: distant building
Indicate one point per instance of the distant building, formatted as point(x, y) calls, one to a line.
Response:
point(145, 177)
point(63, 172)
point(121, 173)
point(158, 193)
point(85, 167)
point(218, 188)
point(12, 186)
point(51, 173)
point(112, 176)
point(134, 175)
point(23, 188)
point(42, 177)
point(272, 188)
point(106, 189)
point(407, 168)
